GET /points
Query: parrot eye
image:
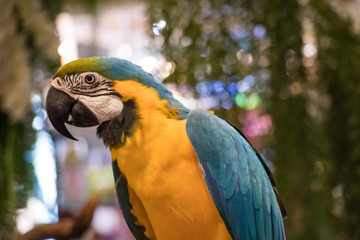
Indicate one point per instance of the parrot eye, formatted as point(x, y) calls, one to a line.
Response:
point(89, 79)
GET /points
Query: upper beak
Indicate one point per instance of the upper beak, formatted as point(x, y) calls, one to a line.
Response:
point(62, 108)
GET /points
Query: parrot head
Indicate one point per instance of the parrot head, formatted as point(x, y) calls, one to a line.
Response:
point(88, 92)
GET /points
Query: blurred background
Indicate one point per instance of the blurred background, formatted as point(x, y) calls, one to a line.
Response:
point(286, 72)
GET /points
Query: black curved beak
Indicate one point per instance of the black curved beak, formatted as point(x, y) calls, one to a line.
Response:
point(62, 108)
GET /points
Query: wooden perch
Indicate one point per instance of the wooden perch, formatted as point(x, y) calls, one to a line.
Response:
point(65, 228)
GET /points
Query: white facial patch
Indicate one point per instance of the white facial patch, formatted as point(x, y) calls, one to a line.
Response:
point(94, 91)
point(104, 107)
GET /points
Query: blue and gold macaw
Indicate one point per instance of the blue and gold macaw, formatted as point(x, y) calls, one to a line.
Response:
point(179, 174)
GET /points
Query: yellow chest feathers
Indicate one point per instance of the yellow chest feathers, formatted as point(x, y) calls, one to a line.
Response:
point(166, 189)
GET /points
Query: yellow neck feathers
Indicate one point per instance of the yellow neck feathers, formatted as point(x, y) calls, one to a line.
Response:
point(152, 111)
point(146, 98)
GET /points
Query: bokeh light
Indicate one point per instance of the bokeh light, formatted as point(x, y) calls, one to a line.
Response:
point(240, 100)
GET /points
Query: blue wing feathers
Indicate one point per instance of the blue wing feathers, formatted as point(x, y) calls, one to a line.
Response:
point(276, 209)
point(275, 226)
point(251, 216)
point(122, 192)
point(229, 190)
point(225, 175)
point(214, 171)
point(240, 226)
point(268, 226)
point(267, 215)
point(256, 190)
point(236, 177)
point(244, 179)
point(260, 223)
point(266, 198)
point(215, 194)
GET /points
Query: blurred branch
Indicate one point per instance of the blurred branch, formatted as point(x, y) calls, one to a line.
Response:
point(66, 228)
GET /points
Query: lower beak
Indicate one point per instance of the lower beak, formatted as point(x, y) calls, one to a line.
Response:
point(62, 108)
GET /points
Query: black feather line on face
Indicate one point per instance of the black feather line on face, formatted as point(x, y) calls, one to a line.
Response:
point(115, 131)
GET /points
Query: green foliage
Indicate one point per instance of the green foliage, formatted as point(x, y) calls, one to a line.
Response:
point(339, 49)
point(299, 141)
point(16, 176)
point(197, 38)
point(27, 41)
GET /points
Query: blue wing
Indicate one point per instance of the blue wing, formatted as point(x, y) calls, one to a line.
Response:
point(237, 178)
point(125, 206)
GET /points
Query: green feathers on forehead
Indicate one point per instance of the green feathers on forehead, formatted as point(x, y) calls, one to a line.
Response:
point(93, 64)
point(109, 67)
